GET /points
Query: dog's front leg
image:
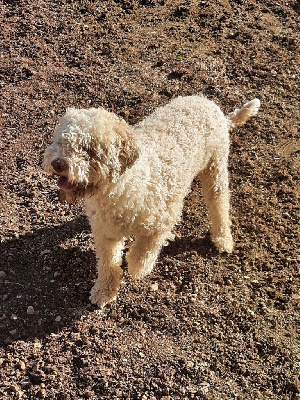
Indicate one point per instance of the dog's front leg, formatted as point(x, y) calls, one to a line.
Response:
point(144, 252)
point(109, 254)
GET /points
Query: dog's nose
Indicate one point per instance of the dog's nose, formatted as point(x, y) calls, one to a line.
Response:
point(59, 165)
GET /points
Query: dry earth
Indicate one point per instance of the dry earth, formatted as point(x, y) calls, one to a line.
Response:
point(203, 325)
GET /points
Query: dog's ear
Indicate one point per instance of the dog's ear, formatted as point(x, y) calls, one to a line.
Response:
point(113, 148)
point(127, 146)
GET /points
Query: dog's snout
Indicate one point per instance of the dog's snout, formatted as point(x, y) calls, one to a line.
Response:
point(59, 165)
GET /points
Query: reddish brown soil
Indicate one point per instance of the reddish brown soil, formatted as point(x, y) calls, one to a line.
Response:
point(202, 325)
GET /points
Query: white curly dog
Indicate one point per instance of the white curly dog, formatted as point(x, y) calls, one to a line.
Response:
point(134, 178)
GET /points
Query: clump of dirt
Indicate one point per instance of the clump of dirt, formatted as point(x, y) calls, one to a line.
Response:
point(203, 325)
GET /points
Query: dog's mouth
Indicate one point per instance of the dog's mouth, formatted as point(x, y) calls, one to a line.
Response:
point(63, 183)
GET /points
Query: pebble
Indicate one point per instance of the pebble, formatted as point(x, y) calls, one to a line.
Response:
point(193, 298)
point(42, 253)
point(30, 310)
point(204, 387)
point(58, 318)
point(41, 394)
point(154, 287)
point(2, 274)
point(22, 365)
point(89, 394)
point(14, 317)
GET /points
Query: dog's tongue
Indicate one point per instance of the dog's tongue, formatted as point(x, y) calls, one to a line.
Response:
point(63, 183)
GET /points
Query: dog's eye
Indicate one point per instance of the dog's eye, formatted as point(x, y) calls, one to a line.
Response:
point(88, 151)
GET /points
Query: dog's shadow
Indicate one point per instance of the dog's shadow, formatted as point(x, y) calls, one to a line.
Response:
point(180, 245)
point(45, 285)
point(47, 280)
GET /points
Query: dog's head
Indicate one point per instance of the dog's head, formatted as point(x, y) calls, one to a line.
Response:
point(91, 147)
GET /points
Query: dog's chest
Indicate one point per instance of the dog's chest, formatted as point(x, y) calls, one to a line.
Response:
point(114, 219)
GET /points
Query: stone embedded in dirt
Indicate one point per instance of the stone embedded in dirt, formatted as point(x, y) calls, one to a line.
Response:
point(2, 274)
point(193, 298)
point(42, 253)
point(21, 365)
point(30, 310)
point(204, 387)
point(154, 287)
point(130, 57)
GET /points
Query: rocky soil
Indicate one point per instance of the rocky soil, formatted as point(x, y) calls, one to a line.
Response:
point(203, 325)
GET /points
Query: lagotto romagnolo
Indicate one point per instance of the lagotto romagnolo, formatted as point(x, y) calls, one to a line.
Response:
point(134, 178)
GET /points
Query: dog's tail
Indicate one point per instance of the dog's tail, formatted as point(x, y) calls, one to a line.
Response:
point(239, 116)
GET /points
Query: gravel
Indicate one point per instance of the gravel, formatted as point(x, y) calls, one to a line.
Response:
point(203, 325)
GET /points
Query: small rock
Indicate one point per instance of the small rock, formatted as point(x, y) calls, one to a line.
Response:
point(63, 396)
point(21, 365)
point(13, 388)
point(45, 252)
point(154, 287)
point(190, 364)
point(41, 394)
point(25, 384)
point(30, 310)
point(58, 318)
point(89, 394)
point(166, 391)
point(193, 298)
point(204, 387)
point(14, 317)
point(2, 274)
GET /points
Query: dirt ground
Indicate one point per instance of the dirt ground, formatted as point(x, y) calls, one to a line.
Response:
point(203, 325)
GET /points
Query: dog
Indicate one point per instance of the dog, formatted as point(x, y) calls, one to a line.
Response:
point(135, 178)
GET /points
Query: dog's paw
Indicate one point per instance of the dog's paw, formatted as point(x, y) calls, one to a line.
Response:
point(139, 269)
point(106, 287)
point(223, 243)
point(102, 297)
point(137, 273)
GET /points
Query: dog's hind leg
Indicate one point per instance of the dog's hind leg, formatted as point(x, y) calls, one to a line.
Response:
point(144, 252)
point(109, 253)
point(214, 181)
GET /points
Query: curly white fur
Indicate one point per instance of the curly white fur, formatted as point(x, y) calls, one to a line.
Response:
point(135, 179)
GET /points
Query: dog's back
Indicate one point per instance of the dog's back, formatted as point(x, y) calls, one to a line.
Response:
point(185, 132)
